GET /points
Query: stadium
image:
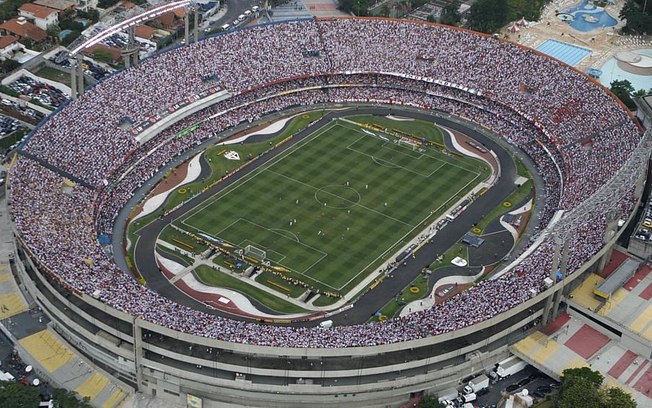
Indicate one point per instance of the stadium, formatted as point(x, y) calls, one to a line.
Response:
point(80, 170)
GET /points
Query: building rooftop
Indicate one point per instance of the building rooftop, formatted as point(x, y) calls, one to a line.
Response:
point(143, 31)
point(7, 40)
point(23, 29)
point(56, 4)
point(37, 11)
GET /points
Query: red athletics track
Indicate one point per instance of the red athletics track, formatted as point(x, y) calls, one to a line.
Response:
point(587, 341)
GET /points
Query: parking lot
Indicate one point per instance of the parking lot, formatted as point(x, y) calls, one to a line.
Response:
point(44, 93)
point(529, 378)
point(91, 69)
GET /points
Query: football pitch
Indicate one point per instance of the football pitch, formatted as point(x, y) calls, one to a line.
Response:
point(336, 204)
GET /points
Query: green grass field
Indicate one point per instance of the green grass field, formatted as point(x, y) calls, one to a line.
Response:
point(338, 203)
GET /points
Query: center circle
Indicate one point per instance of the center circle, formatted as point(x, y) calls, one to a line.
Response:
point(337, 196)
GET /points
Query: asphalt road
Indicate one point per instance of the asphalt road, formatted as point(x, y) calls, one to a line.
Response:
point(403, 275)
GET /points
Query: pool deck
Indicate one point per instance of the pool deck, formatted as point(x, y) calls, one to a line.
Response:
point(604, 42)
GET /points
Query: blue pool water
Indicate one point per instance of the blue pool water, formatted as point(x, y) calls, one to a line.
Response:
point(568, 53)
point(587, 17)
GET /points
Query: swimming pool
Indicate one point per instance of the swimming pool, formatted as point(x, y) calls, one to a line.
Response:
point(568, 53)
point(586, 16)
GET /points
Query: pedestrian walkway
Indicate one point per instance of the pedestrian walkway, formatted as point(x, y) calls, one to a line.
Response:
point(45, 348)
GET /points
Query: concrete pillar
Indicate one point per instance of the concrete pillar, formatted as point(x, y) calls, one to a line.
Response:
point(130, 52)
point(553, 275)
point(195, 29)
point(138, 352)
point(564, 268)
point(73, 80)
point(186, 20)
point(80, 75)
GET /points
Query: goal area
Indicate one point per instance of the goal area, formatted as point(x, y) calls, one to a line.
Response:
point(255, 253)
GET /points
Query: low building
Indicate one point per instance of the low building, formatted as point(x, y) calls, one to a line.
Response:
point(42, 17)
point(61, 6)
point(144, 32)
point(23, 29)
point(9, 45)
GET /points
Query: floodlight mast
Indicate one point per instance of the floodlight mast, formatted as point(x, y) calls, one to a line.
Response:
point(130, 53)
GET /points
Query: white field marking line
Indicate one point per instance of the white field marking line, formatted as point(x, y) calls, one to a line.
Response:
point(257, 245)
point(281, 231)
point(250, 176)
point(323, 254)
point(444, 158)
point(341, 198)
point(398, 166)
point(385, 253)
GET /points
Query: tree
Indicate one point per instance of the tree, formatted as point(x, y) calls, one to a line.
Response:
point(8, 65)
point(16, 395)
point(581, 388)
point(571, 374)
point(623, 90)
point(639, 21)
point(69, 399)
point(579, 392)
point(54, 30)
point(451, 13)
point(617, 398)
point(429, 401)
point(487, 16)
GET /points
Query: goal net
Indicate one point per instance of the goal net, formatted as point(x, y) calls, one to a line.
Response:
point(255, 253)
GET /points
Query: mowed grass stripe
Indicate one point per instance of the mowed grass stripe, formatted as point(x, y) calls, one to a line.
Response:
point(378, 208)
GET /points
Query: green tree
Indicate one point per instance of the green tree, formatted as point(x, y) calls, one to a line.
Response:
point(639, 21)
point(487, 16)
point(617, 398)
point(69, 399)
point(16, 395)
point(54, 30)
point(623, 90)
point(429, 401)
point(451, 13)
point(572, 374)
point(579, 392)
point(8, 65)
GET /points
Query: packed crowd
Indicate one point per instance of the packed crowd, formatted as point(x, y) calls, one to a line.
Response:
point(528, 99)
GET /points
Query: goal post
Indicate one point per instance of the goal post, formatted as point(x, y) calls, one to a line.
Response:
point(255, 253)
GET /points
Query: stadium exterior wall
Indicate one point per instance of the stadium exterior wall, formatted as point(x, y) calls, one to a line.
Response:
point(157, 361)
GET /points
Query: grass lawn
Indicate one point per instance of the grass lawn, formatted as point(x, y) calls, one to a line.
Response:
point(54, 74)
point(212, 277)
point(336, 204)
point(416, 128)
point(514, 198)
point(407, 295)
point(219, 166)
